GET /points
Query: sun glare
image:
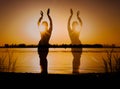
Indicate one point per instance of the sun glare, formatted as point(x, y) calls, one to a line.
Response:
point(31, 30)
point(77, 28)
point(41, 28)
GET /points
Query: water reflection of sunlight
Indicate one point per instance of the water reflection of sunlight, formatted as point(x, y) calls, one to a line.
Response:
point(60, 62)
point(28, 62)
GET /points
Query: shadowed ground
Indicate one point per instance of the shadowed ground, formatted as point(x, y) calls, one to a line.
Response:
point(59, 81)
point(72, 77)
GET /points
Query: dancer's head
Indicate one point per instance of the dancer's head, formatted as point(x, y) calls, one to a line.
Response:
point(74, 25)
point(45, 25)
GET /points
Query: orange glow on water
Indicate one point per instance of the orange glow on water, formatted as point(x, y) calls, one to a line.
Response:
point(59, 60)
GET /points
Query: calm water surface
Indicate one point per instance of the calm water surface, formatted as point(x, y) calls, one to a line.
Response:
point(59, 60)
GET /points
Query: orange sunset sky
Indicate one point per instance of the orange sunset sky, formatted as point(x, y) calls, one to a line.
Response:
point(101, 20)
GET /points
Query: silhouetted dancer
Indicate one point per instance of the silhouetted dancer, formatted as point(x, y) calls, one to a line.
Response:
point(43, 46)
point(74, 34)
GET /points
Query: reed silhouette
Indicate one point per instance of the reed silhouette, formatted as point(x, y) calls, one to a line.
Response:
point(111, 62)
point(74, 34)
point(43, 46)
point(8, 61)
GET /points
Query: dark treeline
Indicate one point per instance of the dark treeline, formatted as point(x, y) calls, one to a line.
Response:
point(77, 46)
point(19, 46)
point(59, 46)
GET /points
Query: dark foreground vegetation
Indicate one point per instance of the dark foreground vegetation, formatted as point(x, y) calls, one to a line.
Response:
point(60, 81)
point(87, 77)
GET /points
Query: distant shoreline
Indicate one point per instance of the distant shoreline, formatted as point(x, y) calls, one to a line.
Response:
point(59, 46)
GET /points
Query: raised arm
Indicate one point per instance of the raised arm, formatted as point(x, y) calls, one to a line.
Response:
point(80, 21)
point(71, 11)
point(39, 21)
point(51, 25)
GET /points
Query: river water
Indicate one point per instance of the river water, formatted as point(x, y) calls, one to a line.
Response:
point(26, 60)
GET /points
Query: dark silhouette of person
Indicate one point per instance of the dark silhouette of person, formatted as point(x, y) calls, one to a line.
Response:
point(43, 46)
point(74, 34)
